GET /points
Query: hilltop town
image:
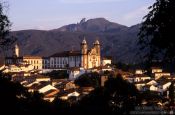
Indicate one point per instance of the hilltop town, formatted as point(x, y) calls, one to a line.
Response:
point(64, 75)
point(56, 74)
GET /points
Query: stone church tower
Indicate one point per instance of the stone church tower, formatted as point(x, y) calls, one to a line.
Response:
point(16, 51)
point(84, 51)
point(98, 55)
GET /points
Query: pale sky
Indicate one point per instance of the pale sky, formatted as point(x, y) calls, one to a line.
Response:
point(52, 14)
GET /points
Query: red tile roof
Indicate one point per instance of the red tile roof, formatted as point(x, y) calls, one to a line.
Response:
point(66, 54)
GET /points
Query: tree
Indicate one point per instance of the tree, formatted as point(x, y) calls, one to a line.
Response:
point(58, 74)
point(171, 93)
point(156, 36)
point(88, 80)
point(5, 39)
point(116, 97)
point(16, 99)
point(122, 95)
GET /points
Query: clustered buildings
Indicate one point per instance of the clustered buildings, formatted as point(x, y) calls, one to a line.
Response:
point(85, 58)
point(29, 70)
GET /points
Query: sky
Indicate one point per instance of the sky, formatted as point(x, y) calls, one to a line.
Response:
point(52, 14)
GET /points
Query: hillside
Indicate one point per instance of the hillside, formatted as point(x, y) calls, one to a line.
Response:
point(116, 40)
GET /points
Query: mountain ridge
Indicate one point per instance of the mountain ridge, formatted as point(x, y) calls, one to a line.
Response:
point(116, 40)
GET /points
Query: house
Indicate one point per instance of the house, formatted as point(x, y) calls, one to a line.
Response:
point(106, 68)
point(106, 61)
point(150, 88)
point(64, 84)
point(151, 82)
point(158, 75)
point(163, 84)
point(50, 94)
point(156, 70)
point(139, 71)
point(75, 72)
point(46, 88)
point(64, 95)
point(138, 78)
point(25, 82)
point(101, 69)
point(55, 82)
point(141, 77)
point(36, 86)
point(140, 85)
point(42, 78)
point(22, 67)
point(20, 74)
point(70, 85)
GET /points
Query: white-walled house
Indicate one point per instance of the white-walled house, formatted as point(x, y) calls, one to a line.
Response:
point(139, 71)
point(156, 70)
point(67, 94)
point(153, 88)
point(163, 86)
point(105, 61)
point(150, 88)
point(42, 78)
point(140, 85)
point(138, 78)
point(18, 68)
point(158, 75)
point(75, 72)
point(151, 82)
point(50, 95)
point(47, 88)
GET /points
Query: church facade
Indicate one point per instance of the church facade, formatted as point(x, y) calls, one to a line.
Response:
point(85, 58)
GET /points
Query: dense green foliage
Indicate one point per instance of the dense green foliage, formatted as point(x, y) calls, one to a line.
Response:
point(5, 39)
point(58, 74)
point(156, 35)
point(88, 80)
point(171, 93)
point(16, 99)
point(116, 97)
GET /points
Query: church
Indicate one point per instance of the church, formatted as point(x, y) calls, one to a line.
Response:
point(85, 58)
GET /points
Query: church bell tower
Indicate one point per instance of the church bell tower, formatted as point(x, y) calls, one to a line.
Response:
point(16, 50)
point(98, 54)
point(84, 50)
